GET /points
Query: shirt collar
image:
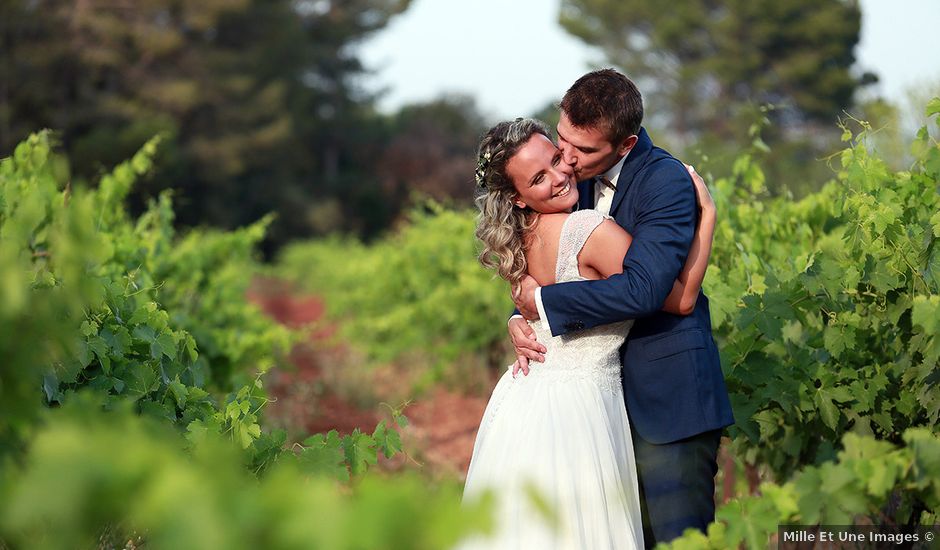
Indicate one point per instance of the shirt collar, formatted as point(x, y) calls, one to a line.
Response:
point(614, 172)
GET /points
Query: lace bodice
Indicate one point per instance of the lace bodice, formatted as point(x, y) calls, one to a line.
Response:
point(593, 352)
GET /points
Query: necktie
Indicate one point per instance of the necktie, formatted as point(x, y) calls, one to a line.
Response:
point(604, 193)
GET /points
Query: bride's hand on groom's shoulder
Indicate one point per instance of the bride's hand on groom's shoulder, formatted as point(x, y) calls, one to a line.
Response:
point(702, 195)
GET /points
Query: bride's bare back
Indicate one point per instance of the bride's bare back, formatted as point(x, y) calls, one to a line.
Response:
point(601, 257)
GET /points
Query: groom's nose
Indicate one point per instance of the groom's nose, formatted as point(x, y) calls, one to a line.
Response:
point(566, 167)
point(567, 155)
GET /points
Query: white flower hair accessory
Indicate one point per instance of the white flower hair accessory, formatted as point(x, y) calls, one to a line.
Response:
point(483, 163)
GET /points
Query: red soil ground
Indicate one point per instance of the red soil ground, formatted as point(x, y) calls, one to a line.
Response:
point(309, 397)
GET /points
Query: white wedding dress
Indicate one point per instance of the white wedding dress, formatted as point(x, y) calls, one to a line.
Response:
point(562, 433)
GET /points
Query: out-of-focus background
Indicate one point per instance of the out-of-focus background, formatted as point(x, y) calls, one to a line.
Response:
point(238, 271)
point(336, 115)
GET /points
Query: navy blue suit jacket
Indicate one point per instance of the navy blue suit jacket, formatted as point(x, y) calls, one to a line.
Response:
point(672, 378)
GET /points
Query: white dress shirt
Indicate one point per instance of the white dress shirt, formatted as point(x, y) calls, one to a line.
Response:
point(604, 195)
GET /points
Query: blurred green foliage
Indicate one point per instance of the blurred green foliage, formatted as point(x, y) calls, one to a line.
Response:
point(88, 471)
point(417, 294)
point(114, 423)
point(864, 482)
point(825, 307)
point(137, 288)
point(38, 322)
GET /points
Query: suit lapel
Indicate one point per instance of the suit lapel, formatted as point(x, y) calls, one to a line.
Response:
point(631, 166)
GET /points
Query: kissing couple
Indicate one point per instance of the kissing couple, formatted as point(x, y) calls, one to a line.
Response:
point(604, 433)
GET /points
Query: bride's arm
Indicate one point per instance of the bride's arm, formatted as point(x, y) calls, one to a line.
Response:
point(609, 242)
point(603, 252)
point(681, 300)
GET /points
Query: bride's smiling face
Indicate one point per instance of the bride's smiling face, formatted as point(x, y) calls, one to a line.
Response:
point(542, 180)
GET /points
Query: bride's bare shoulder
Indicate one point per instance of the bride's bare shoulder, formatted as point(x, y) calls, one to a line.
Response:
point(547, 229)
point(553, 221)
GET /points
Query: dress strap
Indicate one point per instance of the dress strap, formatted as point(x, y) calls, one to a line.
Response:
point(575, 231)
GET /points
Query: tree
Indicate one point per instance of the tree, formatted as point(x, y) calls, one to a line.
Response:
point(259, 99)
point(432, 150)
point(699, 62)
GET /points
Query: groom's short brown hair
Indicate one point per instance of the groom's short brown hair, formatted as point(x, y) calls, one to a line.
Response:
point(605, 99)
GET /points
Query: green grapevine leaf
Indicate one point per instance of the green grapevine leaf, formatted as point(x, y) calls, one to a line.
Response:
point(387, 440)
point(360, 451)
point(827, 408)
point(933, 106)
point(179, 392)
point(926, 313)
point(100, 347)
point(323, 454)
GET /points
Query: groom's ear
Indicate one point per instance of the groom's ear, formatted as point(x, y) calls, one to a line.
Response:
point(626, 145)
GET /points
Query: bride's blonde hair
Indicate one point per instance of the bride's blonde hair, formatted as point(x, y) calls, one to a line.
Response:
point(502, 226)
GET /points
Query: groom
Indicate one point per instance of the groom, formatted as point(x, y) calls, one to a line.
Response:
point(672, 381)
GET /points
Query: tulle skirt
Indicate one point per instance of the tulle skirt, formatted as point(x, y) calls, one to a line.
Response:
point(556, 452)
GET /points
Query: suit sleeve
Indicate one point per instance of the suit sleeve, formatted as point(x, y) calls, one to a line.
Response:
point(666, 214)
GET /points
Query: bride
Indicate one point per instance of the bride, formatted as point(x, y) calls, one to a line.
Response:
point(554, 446)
